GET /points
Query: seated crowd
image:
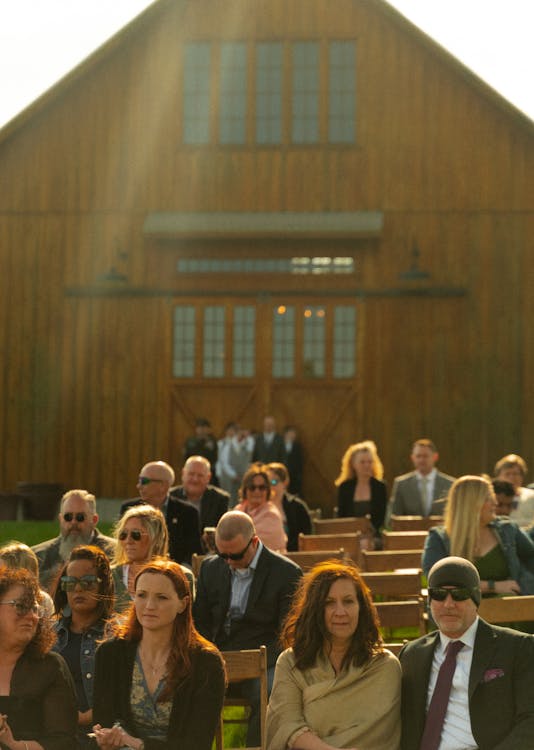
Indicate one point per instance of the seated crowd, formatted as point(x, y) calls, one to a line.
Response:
point(111, 642)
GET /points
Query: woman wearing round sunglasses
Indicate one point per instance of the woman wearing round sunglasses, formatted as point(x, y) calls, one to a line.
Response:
point(141, 535)
point(502, 552)
point(256, 502)
point(37, 704)
point(83, 600)
point(294, 512)
point(158, 683)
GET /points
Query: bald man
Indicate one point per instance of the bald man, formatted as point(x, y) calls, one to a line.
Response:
point(154, 482)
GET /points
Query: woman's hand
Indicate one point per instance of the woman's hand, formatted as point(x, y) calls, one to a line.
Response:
point(6, 735)
point(507, 587)
point(114, 738)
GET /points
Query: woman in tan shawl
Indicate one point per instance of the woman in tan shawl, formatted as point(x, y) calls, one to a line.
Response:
point(335, 686)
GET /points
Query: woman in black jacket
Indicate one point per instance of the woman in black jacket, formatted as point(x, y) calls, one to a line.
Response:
point(158, 685)
point(360, 489)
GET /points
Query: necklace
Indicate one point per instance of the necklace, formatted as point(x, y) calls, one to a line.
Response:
point(152, 667)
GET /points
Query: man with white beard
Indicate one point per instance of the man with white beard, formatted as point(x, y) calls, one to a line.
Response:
point(77, 525)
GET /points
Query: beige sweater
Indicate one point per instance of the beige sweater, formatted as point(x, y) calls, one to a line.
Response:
point(360, 707)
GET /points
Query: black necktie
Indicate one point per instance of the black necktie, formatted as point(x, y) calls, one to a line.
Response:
point(440, 699)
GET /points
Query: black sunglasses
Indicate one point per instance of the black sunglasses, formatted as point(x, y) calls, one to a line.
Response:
point(135, 534)
point(143, 481)
point(261, 487)
point(235, 556)
point(458, 595)
point(80, 517)
point(69, 583)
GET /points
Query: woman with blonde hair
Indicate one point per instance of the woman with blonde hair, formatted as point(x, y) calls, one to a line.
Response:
point(141, 535)
point(335, 685)
point(17, 555)
point(360, 489)
point(502, 552)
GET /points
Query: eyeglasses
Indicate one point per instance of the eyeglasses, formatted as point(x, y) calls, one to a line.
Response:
point(458, 595)
point(69, 583)
point(259, 487)
point(135, 534)
point(143, 481)
point(22, 607)
point(80, 517)
point(274, 482)
point(235, 556)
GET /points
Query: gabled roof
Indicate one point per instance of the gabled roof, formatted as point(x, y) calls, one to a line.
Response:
point(145, 18)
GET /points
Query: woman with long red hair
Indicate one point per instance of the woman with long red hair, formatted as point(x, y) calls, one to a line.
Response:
point(158, 683)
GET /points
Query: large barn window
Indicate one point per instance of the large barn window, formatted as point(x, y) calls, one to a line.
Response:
point(214, 343)
point(233, 93)
point(197, 92)
point(244, 341)
point(236, 340)
point(301, 92)
point(269, 79)
point(283, 342)
point(305, 102)
point(183, 365)
point(342, 92)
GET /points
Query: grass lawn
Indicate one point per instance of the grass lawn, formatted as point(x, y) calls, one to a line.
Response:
point(33, 532)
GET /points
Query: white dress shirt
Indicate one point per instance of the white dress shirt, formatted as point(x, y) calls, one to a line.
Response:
point(456, 733)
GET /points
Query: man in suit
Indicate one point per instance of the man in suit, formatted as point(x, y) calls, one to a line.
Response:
point(77, 525)
point(489, 704)
point(269, 446)
point(153, 484)
point(421, 492)
point(243, 596)
point(209, 502)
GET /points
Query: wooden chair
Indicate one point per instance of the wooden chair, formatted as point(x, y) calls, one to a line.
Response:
point(343, 525)
point(406, 614)
point(196, 562)
point(245, 665)
point(306, 560)
point(507, 609)
point(379, 562)
point(349, 542)
point(403, 539)
point(315, 513)
point(398, 584)
point(414, 523)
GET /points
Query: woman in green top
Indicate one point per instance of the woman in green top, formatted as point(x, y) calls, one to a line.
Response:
point(502, 552)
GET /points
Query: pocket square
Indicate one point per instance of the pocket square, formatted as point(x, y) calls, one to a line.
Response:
point(492, 674)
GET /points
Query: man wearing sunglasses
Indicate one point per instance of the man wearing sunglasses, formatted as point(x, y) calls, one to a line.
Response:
point(77, 525)
point(468, 684)
point(243, 595)
point(153, 484)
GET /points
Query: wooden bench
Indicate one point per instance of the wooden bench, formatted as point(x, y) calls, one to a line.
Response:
point(379, 562)
point(393, 540)
point(414, 523)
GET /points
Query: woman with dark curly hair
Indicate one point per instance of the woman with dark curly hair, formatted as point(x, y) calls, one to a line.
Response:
point(83, 600)
point(37, 703)
point(335, 686)
point(159, 684)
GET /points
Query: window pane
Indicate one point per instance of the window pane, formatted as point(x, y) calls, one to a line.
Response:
point(269, 93)
point(196, 93)
point(244, 343)
point(283, 342)
point(314, 332)
point(344, 341)
point(233, 93)
point(342, 92)
point(184, 342)
point(214, 349)
point(305, 127)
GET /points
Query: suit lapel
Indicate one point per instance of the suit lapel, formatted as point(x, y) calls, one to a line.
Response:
point(258, 579)
point(424, 667)
point(484, 648)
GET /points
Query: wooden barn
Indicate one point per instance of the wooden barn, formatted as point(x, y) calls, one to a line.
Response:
point(234, 208)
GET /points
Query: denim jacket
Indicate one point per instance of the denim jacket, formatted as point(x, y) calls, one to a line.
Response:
point(90, 640)
point(516, 545)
